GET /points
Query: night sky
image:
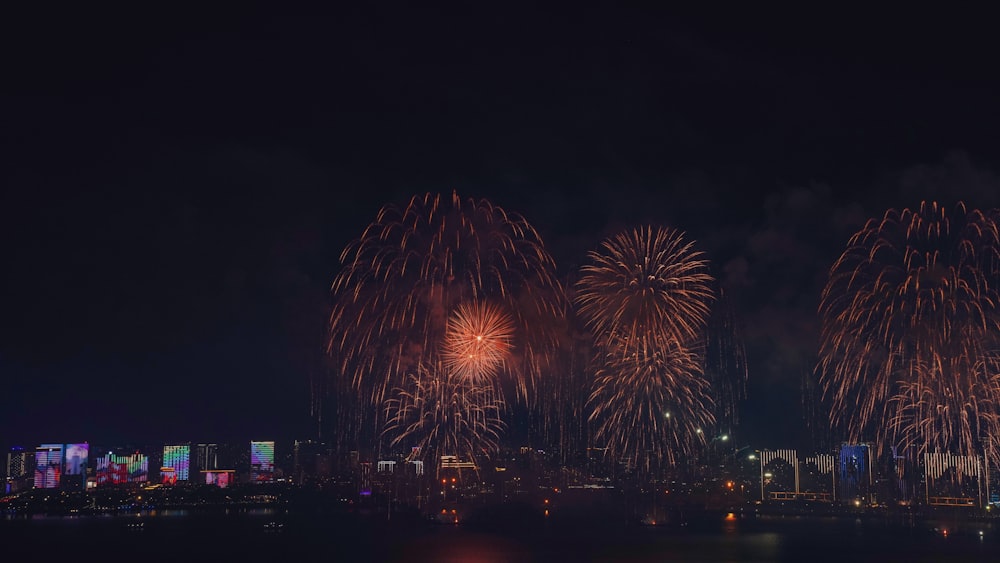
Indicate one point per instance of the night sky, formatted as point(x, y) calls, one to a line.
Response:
point(176, 186)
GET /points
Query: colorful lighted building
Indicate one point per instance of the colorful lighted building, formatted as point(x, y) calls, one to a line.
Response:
point(48, 466)
point(855, 474)
point(76, 457)
point(221, 478)
point(18, 467)
point(261, 462)
point(176, 464)
point(115, 469)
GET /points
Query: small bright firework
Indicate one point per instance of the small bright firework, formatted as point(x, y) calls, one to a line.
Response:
point(478, 341)
point(910, 330)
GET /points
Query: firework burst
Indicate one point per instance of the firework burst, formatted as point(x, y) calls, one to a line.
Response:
point(421, 277)
point(647, 283)
point(910, 326)
point(478, 341)
point(440, 412)
point(650, 404)
point(645, 296)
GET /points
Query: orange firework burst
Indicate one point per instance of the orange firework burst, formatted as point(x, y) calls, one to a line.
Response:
point(647, 282)
point(646, 297)
point(478, 340)
point(909, 349)
point(409, 287)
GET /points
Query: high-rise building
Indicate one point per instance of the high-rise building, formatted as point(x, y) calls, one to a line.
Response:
point(311, 460)
point(48, 466)
point(855, 474)
point(113, 469)
point(19, 470)
point(76, 459)
point(207, 457)
point(779, 474)
point(17, 463)
point(176, 463)
point(903, 475)
point(221, 478)
point(953, 480)
point(262, 462)
point(816, 477)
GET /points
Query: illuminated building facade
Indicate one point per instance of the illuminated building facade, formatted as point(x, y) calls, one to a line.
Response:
point(816, 477)
point(48, 466)
point(115, 469)
point(19, 470)
point(953, 480)
point(221, 478)
point(176, 464)
point(207, 456)
point(854, 478)
point(262, 462)
point(17, 463)
point(904, 476)
point(365, 478)
point(76, 458)
point(779, 474)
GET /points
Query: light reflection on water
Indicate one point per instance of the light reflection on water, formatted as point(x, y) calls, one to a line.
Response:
point(151, 513)
point(481, 547)
point(726, 538)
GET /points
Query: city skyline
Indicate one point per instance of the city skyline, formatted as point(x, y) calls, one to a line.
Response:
point(848, 475)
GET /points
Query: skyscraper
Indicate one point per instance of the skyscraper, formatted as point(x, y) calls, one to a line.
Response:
point(855, 480)
point(17, 463)
point(115, 469)
point(18, 469)
point(48, 466)
point(76, 459)
point(261, 462)
point(176, 463)
point(207, 456)
point(311, 460)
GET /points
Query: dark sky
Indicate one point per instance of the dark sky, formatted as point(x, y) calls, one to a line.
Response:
point(176, 186)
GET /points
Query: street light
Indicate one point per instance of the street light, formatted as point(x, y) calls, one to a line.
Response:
point(712, 448)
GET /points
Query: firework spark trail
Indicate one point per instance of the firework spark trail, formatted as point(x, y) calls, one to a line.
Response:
point(645, 296)
point(909, 351)
point(725, 362)
point(650, 404)
point(443, 413)
point(402, 281)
